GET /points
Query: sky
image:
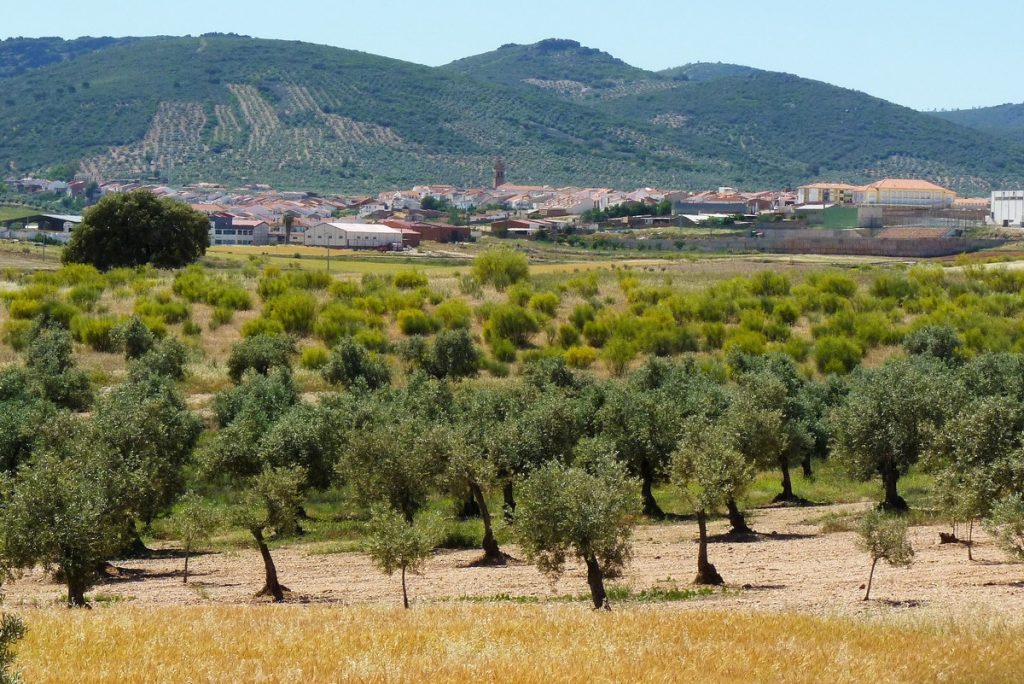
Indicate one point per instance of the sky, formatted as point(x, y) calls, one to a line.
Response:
point(926, 54)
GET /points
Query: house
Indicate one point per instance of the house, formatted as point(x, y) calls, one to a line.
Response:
point(436, 232)
point(1008, 208)
point(228, 229)
point(903, 192)
point(826, 193)
point(521, 228)
point(352, 235)
point(726, 201)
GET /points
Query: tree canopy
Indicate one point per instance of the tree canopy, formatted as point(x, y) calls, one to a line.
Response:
point(136, 228)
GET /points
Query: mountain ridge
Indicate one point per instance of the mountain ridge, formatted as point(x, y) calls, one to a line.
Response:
point(234, 109)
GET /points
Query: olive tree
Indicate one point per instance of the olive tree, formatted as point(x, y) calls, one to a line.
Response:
point(885, 422)
point(193, 524)
point(709, 470)
point(977, 458)
point(52, 372)
point(397, 464)
point(261, 353)
point(351, 362)
point(150, 433)
point(883, 536)
point(395, 544)
point(566, 511)
point(1006, 523)
point(469, 468)
point(269, 506)
point(64, 512)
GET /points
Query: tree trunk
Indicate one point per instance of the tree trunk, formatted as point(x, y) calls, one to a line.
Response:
point(272, 587)
point(651, 507)
point(595, 578)
point(405, 594)
point(737, 519)
point(184, 577)
point(491, 550)
point(787, 482)
point(893, 500)
point(806, 465)
point(76, 594)
point(468, 508)
point(706, 572)
point(509, 507)
point(970, 541)
point(867, 594)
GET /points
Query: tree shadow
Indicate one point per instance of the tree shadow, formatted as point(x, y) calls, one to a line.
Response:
point(893, 603)
point(755, 537)
point(762, 587)
point(1015, 585)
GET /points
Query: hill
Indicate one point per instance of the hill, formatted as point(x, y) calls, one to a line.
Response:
point(1006, 119)
point(236, 110)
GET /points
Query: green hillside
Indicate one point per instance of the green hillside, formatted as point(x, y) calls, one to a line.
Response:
point(235, 110)
point(707, 71)
point(1005, 119)
point(561, 66)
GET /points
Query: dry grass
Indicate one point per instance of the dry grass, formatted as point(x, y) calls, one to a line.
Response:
point(456, 643)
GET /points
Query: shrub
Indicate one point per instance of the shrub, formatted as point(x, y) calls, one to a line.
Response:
point(520, 293)
point(745, 342)
point(261, 353)
point(567, 336)
point(545, 302)
point(314, 358)
point(295, 310)
point(410, 280)
point(350, 362)
point(580, 357)
point(133, 337)
point(373, 339)
point(169, 312)
point(85, 296)
point(415, 322)
point(262, 326)
point(221, 316)
point(338, 320)
point(597, 332)
point(769, 283)
point(17, 333)
point(512, 323)
point(453, 355)
point(96, 332)
point(618, 354)
point(786, 312)
point(837, 355)
point(503, 350)
point(167, 358)
point(454, 313)
point(581, 315)
point(500, 268)
point(714, 335)
point(938, 341)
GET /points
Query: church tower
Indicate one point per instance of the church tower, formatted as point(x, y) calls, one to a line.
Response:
point(499, 173)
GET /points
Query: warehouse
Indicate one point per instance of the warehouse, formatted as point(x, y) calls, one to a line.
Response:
point(352, 236)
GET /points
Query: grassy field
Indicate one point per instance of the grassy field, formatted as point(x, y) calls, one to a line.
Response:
point(9, 213)
point(531, 643)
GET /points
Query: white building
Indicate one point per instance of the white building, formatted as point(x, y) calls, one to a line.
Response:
point(352, 235)
point(240, 232)
point(904, 192)
point(1008, 208)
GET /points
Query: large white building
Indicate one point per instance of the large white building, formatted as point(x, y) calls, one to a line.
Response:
point(890, 192)
point(1008, 208)
point(352, 235)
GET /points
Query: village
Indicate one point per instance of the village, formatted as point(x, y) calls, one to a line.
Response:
point(911, 217)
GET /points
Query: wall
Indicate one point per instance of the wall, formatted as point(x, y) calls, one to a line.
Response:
point(859, 246)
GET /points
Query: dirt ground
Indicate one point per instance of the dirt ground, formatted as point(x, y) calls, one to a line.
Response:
point(790, 566)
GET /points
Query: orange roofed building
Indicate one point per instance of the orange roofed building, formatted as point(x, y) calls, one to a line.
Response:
point(890, 192)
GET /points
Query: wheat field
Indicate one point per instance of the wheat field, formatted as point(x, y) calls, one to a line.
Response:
point(503, 642)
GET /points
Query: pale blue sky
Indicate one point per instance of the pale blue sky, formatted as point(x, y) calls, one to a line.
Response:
point(920, 53)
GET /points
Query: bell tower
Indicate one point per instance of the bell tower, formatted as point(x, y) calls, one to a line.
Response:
point(499, 173)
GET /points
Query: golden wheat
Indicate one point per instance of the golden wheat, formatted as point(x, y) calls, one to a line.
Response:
point(500, 642)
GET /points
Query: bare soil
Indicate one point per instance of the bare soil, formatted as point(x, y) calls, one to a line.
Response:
point(790, 566)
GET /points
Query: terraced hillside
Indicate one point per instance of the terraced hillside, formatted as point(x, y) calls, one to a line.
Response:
point(233, 109)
